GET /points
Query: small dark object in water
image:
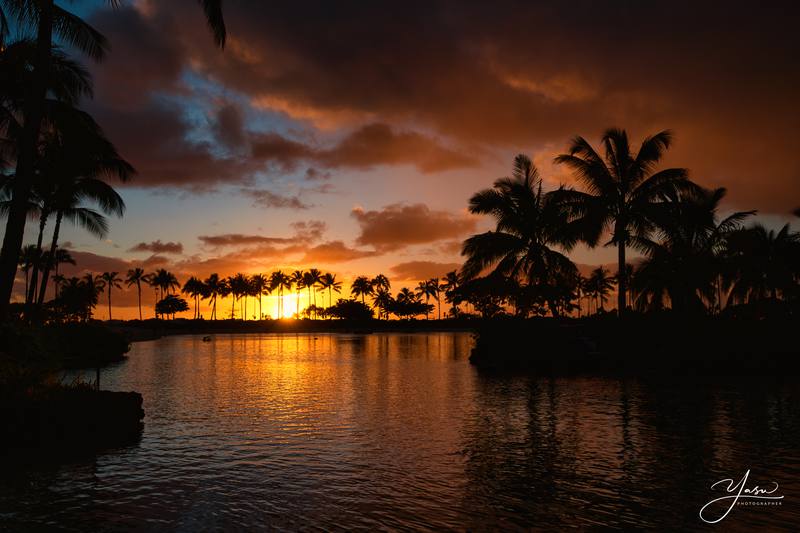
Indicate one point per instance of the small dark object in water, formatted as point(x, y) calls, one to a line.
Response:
point(207, 338)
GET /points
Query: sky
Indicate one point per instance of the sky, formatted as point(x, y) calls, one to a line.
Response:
point(350, 136)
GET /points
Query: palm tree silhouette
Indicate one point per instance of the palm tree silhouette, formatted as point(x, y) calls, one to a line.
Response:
point(528, 224)
point(600, 285)
point(135, 277)
point(195, 289)
point(328, 281)
point(382, 300)
point(297, 281)
point(426, 289)
point(49, 19)
point(260, 285)
point(763, 263)
point(215, 287)
point(111, 280)
point(621, 189)
point(684, 265)
point(62, 257)
point(310, 280)
point(30, 256)
point(361, 286)
point(449, 286)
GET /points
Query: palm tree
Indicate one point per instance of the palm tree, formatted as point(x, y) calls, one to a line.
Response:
point(238, 285)
point(260, 284)
point(621, 190)
point(449, 286)
point(600, 284)
point(297, 278)
point(382, 300)
point(135, 277)
point(328, 281)
point(361, 286)
point(195, 289)
point(29, 257)
point(529, 224)
point(427, 289)
point(49, 19)
point(280, 281)
point(62, 257)
point(764, 263)
point(215, 287)
point(111, 280)
point(685, 263)
point(310, 280)
point(381, 282)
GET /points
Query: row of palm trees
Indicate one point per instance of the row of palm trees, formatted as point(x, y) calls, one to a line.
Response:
point(239, 287)
point(53, 156)
point(692, 260)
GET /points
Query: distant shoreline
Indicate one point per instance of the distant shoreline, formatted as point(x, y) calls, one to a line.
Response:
point(136, 331)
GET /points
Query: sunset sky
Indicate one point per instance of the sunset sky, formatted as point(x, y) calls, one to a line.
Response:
point(348, 136)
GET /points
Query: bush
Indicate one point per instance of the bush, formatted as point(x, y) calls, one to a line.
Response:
point(350, 310)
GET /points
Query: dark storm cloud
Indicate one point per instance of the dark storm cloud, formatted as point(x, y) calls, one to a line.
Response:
point(507, 75)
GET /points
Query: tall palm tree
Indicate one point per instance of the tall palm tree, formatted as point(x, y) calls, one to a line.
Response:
point(310, 280)
point(361, 286)
point(30, 256)
point(278, 281)
point(111, 280)
point(215, 288)
point(621, 189)
point(238, 286)
point(297, 278)
point(600, 285)
point(62, 257)
point(425, 288)
point(529, 225)
point(449, 285)
point(260, 284)
point(381, 282)
point(764, 263)
point(195, 289)
point(329, 281)
point(135, 277)
point(49, 19)
point(382, 300)
point(685, 262)
point(165, 281)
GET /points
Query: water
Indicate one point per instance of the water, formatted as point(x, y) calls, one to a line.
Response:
point(401, 432)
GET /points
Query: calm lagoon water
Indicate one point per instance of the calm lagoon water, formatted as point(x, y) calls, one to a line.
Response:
point(394, 431)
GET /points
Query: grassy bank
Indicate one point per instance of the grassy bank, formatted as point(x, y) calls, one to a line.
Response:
point(39, 414)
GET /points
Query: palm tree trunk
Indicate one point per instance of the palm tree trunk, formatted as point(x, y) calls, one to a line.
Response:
point(53, 248)
point(33, 111)
point(622, 283)
point(30, 296)
point(109, 302)
point(139, 292)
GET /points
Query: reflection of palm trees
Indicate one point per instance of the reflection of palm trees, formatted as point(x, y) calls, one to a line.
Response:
point(135, 277)
point(622, 188)
point(111, 280)
point(528, 224)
